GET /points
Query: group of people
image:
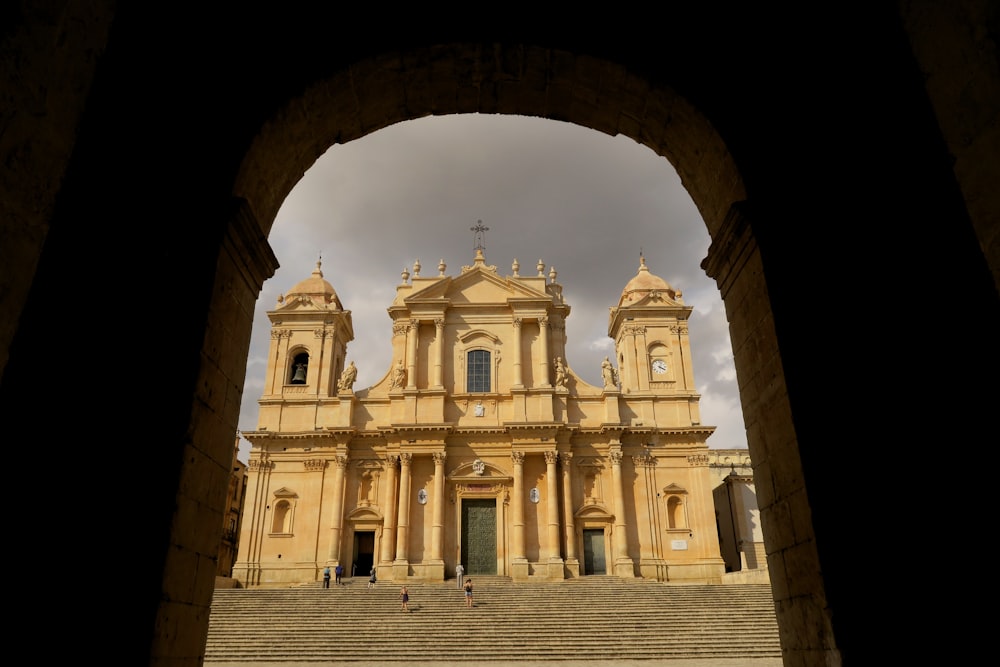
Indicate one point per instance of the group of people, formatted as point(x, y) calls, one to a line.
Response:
point(339, 571)
point(463, 583)
point(404, 592)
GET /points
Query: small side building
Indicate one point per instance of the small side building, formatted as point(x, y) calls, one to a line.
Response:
point(232, 522)
point(741, 539)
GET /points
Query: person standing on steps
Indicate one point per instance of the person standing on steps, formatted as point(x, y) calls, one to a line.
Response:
point(468, 593)
point(339, 572)
point(460, 575)
point(404, 599)
point(326, 577)
point(371, 578)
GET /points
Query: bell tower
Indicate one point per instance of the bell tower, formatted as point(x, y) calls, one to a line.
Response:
point(650, 330)
point(310, 331)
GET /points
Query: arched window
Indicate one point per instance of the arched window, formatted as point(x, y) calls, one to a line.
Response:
point(675, 513)
point(477, 367)
point(299, 369)
point(281, 522)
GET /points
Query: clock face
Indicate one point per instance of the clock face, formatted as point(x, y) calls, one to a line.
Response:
point(659, 366)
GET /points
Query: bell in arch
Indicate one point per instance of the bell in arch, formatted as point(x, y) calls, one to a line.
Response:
point(300, 374)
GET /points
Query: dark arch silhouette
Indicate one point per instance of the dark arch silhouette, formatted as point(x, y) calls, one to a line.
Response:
point(848, 190)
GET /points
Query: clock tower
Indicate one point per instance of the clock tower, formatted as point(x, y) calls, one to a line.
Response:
point(650, 329)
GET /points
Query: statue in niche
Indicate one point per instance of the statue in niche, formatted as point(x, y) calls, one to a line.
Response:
point(560, 373)
point(398, 376)
point(609, 373)
point(480, 410)
point(347, 378)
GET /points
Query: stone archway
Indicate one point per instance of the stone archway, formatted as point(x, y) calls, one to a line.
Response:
point(886, 147)
point(396, 90)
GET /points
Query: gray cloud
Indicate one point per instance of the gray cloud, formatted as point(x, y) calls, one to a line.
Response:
point(580, 201)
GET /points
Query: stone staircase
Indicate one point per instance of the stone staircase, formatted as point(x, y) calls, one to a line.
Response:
point(587, 619)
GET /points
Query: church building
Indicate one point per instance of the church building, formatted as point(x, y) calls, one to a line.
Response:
point(480, 445)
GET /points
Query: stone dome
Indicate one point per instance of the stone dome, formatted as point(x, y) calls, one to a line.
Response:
point(645, 283)
point(317, 288)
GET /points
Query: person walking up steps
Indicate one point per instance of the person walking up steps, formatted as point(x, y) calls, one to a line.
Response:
point(371, 578)
point(468, 593)
point(326, 577)
point(339, 571)
point(404, 599)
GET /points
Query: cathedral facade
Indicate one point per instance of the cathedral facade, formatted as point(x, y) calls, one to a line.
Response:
point(479, 446)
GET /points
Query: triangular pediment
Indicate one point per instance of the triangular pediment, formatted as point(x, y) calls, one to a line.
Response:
point(285, 492)
point(479, 286)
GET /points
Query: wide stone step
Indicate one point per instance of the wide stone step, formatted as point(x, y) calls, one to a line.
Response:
point(592, 618)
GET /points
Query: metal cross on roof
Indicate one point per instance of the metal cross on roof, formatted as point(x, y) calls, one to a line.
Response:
point(480, 237)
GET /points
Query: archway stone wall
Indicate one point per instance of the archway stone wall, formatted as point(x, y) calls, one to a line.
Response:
point(496, 79)
point(604, 97)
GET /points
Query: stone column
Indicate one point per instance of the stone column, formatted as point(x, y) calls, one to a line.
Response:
point(552, 537)
point(437, 528)
point(623, 564)
point(518, 378)
point(438, 381)
point(411, 341)
point(403, 520)
point(389, 503)
point(337, 509)
point(517, 512)
point(543, 334)
point(552, 503)
point(566, 458)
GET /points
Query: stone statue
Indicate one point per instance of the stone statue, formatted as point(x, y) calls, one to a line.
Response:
point(560, 373)
point(608, 373)
point(398, 376)
point(347, 378)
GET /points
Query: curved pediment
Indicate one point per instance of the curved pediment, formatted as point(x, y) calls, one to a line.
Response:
point(480, 469)
point(365, 514)
point(594, 511)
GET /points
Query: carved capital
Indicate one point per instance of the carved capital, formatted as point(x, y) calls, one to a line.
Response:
point(405, 458)
point(644, 461)
point(256, 465)
point(566, 458)
point(551, 457)
point(439, 458)
point(314, 464)
point(517, 458)
point(616, 458)
point(698, 460)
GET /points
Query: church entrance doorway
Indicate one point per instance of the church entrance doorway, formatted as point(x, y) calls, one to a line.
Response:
point(364, 553)
point(479, 536)
point(593, 551)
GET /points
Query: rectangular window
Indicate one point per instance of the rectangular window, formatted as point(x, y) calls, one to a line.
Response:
point(478, 378)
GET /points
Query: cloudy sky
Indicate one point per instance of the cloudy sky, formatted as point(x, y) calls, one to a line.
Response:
point(580, 201)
